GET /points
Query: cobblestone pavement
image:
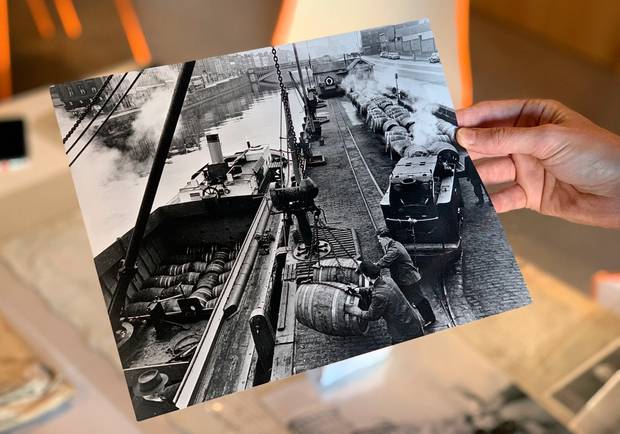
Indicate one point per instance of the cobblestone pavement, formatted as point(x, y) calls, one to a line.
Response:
point(487, 280)
point(343, 206)
point(492, 281)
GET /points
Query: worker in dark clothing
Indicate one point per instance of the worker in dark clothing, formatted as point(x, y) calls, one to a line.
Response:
point(474, 180)
point(405, 274)
point(389, 303)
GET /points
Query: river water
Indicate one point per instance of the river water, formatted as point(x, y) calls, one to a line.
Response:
point(110, 192)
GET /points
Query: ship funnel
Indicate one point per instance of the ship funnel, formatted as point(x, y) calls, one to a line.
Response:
point(215, 148)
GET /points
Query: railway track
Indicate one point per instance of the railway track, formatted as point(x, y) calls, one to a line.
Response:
point(367, 185)
point(371, 195)
point(441, 292)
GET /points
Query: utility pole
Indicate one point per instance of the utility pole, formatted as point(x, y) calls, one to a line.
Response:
point(397, 91)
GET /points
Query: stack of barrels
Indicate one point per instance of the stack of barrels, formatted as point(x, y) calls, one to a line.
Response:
point(320, 304)
point(397, 124)
point(199, 272)
point(211, 283)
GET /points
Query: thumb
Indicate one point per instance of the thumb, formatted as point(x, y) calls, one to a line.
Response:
point(495, 142)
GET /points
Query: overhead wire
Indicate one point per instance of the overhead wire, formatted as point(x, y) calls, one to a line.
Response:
point(107, 117)
point(96, 114)
point(87, 109)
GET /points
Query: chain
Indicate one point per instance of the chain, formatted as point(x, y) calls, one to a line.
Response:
point(315, 237)
point(290, 128)
point(92, 102)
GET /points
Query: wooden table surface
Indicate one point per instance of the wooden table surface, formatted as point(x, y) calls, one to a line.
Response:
point(541, 344)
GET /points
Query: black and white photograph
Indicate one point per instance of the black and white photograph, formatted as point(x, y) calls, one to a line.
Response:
point(256, 215)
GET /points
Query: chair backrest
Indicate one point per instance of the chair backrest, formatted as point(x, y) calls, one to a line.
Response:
point(301, 20)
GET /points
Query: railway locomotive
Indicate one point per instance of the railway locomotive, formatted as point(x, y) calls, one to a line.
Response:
point(423, 205)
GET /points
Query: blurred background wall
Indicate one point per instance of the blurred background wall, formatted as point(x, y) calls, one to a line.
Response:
point(567, 50)
point(52, 41)
point(588, 28)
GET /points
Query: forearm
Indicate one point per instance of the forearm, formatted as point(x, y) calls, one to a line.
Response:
point(374, 312)
point(387, 259)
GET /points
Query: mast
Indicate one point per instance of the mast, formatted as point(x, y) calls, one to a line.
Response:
point(313, 82)
point(309, 117)
point(128, 267)
point(290, 74)
point(301, 77)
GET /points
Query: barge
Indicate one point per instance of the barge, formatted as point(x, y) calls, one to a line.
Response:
point(219, 213)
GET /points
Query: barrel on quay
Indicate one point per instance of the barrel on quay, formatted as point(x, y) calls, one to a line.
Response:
point(320, 306)
point(342, 270)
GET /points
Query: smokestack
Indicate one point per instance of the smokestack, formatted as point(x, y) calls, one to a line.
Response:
point(215, 148)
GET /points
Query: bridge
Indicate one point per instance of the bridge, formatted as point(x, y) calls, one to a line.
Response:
point(267, 74)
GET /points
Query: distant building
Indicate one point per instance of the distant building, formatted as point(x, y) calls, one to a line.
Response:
point(263, 59)
point(410, 39)
point(285, 56)
point(78, 94)
point(370, 41)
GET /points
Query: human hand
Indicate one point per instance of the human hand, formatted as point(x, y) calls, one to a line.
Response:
point(558, 162)
point(352, 309)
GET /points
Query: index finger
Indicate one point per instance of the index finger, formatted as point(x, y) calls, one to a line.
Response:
point(504, 113)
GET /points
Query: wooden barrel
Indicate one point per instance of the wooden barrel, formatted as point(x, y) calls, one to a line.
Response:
point(389, 125)
point(202, 294)
point(199, 266)
point(228, 266)
point(200, 250)
point(216, 266)
point(338, 270)
point(175, 269)
point(211, 304)
point(162, 281)
point(223, 276)
point(208, 280)
point(217, 290)
point(406, 121)
point(190, 278)
point(320, 306)
point(221, 255)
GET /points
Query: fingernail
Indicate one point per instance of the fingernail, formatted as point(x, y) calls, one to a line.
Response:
point(465, 137)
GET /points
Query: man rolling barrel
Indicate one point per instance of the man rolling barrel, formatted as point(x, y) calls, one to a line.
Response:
point(404, 273)
point(389, 303)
